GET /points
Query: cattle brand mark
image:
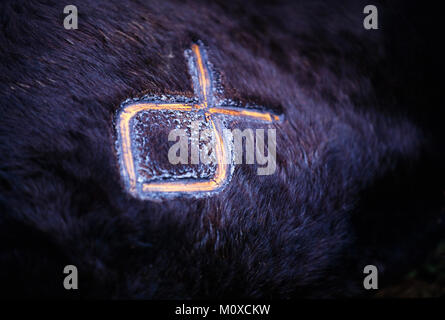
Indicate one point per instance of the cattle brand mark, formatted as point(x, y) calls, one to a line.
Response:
point(206, 107)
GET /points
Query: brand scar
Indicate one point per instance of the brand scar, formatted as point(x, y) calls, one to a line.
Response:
point(203, 88)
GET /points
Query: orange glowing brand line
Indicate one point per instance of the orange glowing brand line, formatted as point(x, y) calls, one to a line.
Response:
point(203, 90)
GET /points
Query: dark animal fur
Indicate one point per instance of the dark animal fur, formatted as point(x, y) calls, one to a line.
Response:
point(360, 174)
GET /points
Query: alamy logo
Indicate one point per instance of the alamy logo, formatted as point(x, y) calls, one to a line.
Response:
point(254, 147)
point(70, 21)
point(371, 20)
point(71, 280)
point(371, 280)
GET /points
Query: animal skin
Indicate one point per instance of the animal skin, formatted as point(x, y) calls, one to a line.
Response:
point(360, 153)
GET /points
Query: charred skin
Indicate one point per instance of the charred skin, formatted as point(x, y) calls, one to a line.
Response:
point(360, 154)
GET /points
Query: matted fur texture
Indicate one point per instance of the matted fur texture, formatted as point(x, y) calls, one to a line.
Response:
point(360, 157)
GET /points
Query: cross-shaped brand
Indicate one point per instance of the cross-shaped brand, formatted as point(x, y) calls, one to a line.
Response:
point(207, 104)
